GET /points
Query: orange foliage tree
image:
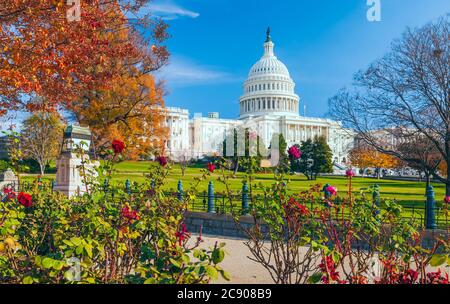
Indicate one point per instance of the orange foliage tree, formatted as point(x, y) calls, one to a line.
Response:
point(99, 68)
point(131, 110)
point(43, 54)
point(368, 157)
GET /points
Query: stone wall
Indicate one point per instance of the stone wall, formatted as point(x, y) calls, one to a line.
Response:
point(216, 224)
point(224, 225)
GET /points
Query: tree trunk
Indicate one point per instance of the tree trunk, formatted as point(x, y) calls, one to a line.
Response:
point(42, 167)
point(236, 166)
point(447, 185)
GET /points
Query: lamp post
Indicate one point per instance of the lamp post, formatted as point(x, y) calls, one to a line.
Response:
point(430, 209)
point(211, 207)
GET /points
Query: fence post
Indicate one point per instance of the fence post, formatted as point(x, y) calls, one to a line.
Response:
point(128, 186)
point(376, 198)
point(245, 199)
point(326, 192)
point(180, 190)
point(211, 208)
point(430, 209)
point(53, 184)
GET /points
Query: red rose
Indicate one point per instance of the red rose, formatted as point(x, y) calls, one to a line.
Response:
point(10, 194)
point(118, 146)
point(25, 199)
point(437, 278)
point(182, 234)
point(162, 160)
point(211, 167)
point(128, 214)
point(447, 199)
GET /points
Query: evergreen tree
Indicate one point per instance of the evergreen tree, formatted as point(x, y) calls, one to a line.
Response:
point(316, 158)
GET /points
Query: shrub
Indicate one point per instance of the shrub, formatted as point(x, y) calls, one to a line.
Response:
point(318, 236)
point(4, 165)
point(46, 237)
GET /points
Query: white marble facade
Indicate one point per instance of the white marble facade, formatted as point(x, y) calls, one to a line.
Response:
point(268, 105)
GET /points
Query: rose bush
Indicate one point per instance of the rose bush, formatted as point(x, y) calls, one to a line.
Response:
point(316, 238)
point(46, 237)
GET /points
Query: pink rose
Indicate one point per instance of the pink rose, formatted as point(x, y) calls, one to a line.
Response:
point(332, 190)
point(350, 173)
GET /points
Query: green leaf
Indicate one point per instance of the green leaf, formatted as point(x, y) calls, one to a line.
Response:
point(211, 271)
point(438, 260)
point(218, 255)
point(315, 278)
point(150, 281)
point(47, 263)
point(68, 275)
point(79, 250)
point(88, 249)
point(75, 241)
point(175, 263)
point(185, 258)
point(225, 275)
point(27, 280)
point(58, 265)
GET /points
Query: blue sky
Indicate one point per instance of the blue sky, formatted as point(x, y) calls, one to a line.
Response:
point(214, 43)
point(323, 43)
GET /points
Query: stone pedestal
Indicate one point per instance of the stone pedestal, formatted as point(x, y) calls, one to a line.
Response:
point(68, 178)
point(9, 179)
point(74, 150)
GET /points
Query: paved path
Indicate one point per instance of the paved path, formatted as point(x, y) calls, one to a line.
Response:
point(241, 269)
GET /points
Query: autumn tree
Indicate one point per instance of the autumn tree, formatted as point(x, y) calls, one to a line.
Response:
point(367, 157)
point(131, 110)
point(41, 137)
point(404, 94)
point(43, 54)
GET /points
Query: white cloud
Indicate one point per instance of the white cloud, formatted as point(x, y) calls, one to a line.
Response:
point(184, 72)
point(167, 10)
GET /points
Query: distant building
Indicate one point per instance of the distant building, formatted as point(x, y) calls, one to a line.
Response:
point(269, 105)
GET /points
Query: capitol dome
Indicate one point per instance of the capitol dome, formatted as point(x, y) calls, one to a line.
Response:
point(269, 89)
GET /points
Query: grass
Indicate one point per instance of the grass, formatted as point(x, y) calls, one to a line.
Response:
point(406, 192)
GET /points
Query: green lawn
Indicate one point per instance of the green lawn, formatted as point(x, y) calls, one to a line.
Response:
point(404, 191)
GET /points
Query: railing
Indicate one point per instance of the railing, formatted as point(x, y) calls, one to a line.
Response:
point(221, 203)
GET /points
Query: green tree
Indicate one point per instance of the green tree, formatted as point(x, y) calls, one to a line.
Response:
point(316, 158)
point(284, 165)
point(41, 137)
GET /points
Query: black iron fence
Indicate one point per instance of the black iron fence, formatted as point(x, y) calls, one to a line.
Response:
point(221, 203)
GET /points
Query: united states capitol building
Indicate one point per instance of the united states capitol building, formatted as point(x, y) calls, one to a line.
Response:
point(268, 105)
